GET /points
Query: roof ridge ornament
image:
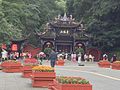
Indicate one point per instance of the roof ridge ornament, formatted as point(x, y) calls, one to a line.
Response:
point(65, 18)
point(59, 16)
point(71, 17)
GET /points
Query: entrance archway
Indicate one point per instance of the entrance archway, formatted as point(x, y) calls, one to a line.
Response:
point(65, 47)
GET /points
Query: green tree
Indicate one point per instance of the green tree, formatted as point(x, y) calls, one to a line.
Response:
point(19, 18)
point(101, 19)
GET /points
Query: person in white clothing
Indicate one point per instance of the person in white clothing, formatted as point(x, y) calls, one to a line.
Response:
point(79, 58)
point(86, 57)
point(73, 57)
point(60, 56)
point(91, 58)
point(105, 57)
point(4, 54)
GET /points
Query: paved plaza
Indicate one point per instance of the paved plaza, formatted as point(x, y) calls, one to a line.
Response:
point(100, 78)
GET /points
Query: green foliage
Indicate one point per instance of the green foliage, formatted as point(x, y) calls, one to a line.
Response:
point(71, 80)
point(101, 19)
point(47, 50)
point(79, 50)
point(19, 18)
point(61, 4)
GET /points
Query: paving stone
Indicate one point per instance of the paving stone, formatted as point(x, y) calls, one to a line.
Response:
point(100, 78)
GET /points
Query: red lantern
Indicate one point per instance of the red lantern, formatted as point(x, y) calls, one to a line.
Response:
point(14, 47)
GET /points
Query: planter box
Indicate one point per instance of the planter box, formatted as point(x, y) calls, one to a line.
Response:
point(105, 64)
point(12, 67)
point(60, 62)
point(26, 71)
point(7, 64)
point(115, 66)
point(31, 60)
point(4, 64)
point(42, 79)
point(59, 86)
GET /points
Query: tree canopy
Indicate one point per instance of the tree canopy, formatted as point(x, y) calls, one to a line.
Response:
point(18, 18)
point(102, 20)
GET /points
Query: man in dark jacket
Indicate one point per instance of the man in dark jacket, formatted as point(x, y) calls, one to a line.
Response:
point(53, 58)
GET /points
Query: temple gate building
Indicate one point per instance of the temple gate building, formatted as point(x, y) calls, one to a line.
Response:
point(64, 34)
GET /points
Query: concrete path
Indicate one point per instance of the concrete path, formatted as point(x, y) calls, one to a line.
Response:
point(100, 78)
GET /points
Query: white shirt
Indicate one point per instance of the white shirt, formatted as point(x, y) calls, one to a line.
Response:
point(90, 56)
point(4, 54)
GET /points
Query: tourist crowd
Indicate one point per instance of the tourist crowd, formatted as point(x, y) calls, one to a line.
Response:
point(53, 56)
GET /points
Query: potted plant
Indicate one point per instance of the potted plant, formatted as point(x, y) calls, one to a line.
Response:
point(27, 69)
point(4, 64)
point(104, 64)
point(11, 66)
point(47, 50)
point(30, 60)
point(60, 61)
point(40, 57)
point(116, 65)
point(79, 50)
point(42, 76)
point(70, 83)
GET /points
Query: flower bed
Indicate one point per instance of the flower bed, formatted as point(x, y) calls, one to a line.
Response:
point(27, 69)
point(104, 64)
point(60, 62)
point(41, 56)
point(4, 64)
point(70, 83)
point(116, 65)
point(42, 76)
point(11, 66)
point(30, 60)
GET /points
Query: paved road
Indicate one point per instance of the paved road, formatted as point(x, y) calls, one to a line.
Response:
point(100, 78)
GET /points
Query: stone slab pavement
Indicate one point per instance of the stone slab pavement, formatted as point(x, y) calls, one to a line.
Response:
point(100, 78)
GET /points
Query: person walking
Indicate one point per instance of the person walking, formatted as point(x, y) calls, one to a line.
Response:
point(105, 57)
point(86, 57)
point(4, 54)
point(0, 54)
point(91, 58)
point(114, 58)
point(73, 57)
point(53, 58)
point(79, 59)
